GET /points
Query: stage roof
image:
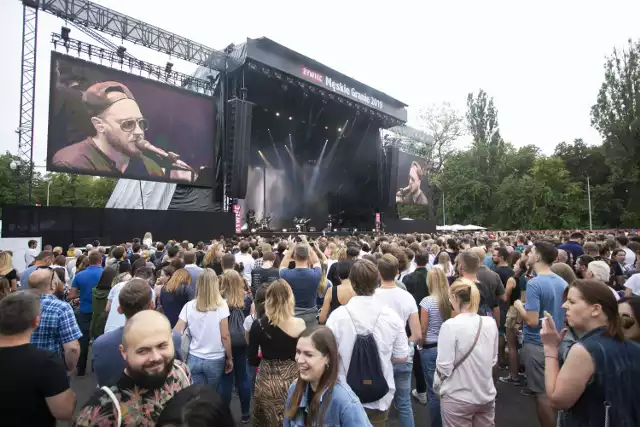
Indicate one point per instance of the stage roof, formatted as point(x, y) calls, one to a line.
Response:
point(280, 58)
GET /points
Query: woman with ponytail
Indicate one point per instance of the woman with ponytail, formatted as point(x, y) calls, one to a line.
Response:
point(597, 383)
point(467, 352)
point(435, 310)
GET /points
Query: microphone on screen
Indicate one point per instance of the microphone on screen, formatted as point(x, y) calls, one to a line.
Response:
point(146, 146)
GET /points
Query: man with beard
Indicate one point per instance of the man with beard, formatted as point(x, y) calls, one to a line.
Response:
point(151, 377)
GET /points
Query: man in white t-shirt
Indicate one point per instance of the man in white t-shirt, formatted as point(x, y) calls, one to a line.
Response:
point(116, 319)
point(403, 303)
point(632, 285)
point(246, 259)
point(364, 314)
point(630, 256)
point(31, 253)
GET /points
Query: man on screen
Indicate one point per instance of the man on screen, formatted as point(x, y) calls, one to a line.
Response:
point(119, 145)
point(412, 194)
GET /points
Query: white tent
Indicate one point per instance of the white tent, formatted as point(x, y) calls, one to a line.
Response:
point(458, 227)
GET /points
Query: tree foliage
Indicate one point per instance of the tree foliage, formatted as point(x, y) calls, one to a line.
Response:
point(64, 189)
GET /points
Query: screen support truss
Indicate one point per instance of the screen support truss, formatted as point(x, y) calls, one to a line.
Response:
point(27, 90)
point(90, 15)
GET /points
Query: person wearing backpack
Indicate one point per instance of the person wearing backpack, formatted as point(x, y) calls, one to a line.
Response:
point(371, 338)
point(232, 288)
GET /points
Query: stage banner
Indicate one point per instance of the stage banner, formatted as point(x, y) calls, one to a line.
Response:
point(377, 222)
point(237, 212)
point(106, 122)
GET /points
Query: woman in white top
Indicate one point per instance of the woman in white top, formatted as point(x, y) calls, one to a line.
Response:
point(434, 310)
point(467, 392)
point(206, 317)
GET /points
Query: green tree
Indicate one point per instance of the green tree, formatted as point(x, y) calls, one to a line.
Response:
point(616, 115)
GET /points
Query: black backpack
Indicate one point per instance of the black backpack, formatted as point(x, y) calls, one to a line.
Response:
point(365, 375)
point(236, 327)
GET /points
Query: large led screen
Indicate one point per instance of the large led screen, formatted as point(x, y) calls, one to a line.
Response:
point(106, 122)
point(413, 182)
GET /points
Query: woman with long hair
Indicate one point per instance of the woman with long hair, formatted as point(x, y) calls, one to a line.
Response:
point(435, 309)
point(147, 239)
point(205, 318)
point(276, 334)
point(598, 381)
point(8, 272)
point(232, 289)
point(338, 295)
point(444, 263)
point(163, 277)
point(5, 287)
point(175, 294)
point(213, 258)
point(319, 397)
point(467, 352)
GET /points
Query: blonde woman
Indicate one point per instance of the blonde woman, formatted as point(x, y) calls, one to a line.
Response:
point(175, 294)
point(213, 258)
point(232, 289)
point(444, 263)
point(434, 250)
point(147, 239)
point(8, 272)
point(467, 352)
point(434, 310)
point(276, 334)
point(206, 318)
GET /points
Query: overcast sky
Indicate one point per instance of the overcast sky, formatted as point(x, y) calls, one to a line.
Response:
point(542, 63)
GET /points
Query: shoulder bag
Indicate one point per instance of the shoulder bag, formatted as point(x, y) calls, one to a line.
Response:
point(185, 339)
point(439, 377)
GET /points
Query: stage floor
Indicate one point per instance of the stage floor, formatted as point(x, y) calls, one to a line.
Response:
point(314, 234)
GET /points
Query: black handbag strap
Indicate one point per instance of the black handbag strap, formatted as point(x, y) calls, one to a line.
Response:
point(475, 341)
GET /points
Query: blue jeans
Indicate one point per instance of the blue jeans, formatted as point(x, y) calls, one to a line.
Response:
point(428, 358)
point(402, 377)
point(241, 377)
point(206, 371)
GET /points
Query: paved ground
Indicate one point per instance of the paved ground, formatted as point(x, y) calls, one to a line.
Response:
point(512, 408)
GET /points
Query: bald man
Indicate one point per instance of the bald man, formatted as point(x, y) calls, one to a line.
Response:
point(151, 376)
point(58, 330)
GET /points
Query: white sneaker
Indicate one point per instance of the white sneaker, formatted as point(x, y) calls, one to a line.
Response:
point(420, 397)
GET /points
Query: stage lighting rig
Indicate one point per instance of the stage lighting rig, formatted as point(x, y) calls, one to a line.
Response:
point(120, 52)
point(168, 68)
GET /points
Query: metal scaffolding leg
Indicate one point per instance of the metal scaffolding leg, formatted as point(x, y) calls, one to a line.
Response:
point(27, 89)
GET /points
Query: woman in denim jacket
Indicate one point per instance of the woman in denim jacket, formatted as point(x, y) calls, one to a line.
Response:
point(318, 397)
point(597, 384)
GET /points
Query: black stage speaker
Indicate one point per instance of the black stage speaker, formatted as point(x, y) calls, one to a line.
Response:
point(239, 146)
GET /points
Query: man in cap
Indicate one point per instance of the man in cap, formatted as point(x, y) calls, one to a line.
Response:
point(412, 194)
point(151, 376)
point(119, 142)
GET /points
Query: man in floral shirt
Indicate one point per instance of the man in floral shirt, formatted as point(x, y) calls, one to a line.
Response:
point(151, 377)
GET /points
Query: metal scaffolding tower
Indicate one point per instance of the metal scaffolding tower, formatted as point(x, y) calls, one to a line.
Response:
point(28, 87)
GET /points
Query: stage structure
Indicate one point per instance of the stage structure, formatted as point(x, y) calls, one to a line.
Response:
point(293, 138)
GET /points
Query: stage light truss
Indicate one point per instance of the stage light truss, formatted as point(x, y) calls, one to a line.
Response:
point(101, 55)
point(388, 120)
point(27, 90)
point(116, 24)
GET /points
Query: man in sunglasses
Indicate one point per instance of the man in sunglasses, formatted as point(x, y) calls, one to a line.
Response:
point(119, 146)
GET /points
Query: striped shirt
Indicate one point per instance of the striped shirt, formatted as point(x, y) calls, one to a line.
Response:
point(430, 304)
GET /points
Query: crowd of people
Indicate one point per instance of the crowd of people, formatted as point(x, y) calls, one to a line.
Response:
point(329, 331)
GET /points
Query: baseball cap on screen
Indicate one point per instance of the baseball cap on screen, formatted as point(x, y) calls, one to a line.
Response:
point(101, 96)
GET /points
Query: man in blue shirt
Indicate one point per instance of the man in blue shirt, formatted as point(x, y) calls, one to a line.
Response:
point(544, 295)
point(42, 260)
point(574, 247)
point(303, 279)
point(83, 283)
point(107, 360)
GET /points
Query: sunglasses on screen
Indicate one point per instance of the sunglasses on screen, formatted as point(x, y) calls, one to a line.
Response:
point(130, 125)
